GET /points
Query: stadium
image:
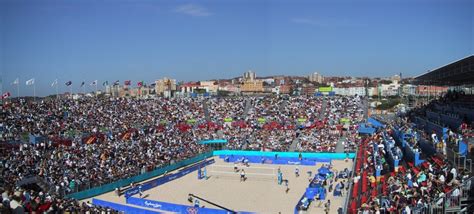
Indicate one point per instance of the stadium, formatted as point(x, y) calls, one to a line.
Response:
point(236, 106)
point(322, 153)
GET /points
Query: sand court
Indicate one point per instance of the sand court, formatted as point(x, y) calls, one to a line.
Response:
point(259, 193)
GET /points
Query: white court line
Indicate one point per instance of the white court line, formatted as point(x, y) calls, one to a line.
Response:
point(238, 174)
point(250, 167)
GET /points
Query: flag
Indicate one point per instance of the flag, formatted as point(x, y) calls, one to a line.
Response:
point(30, 81)
point(105, 83)
point(5, 95)
point(68, 83)
point(55, 82)
point(82, 84)
point(127, 82)
point(16, 82)
point(116, 83)
point(140, 84)
point(94, 83)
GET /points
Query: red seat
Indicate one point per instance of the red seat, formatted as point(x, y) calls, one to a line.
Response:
point(355, 191)
point(425, 165)
point(402, 169)
point(374, 192)
point(415, 170)
point(353, 207)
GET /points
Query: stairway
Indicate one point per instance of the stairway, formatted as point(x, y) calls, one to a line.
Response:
point(323, 109)
point(247, 107)
point(294, 145)
point(339, 146)
point(206, 110)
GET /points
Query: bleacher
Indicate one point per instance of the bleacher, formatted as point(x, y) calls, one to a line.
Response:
point(418, 154)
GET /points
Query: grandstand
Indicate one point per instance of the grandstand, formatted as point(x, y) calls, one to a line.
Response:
point(420, 162)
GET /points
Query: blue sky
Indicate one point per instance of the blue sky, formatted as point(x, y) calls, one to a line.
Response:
point(195, 40)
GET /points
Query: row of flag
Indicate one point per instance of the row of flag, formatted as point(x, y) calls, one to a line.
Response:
point(69, 83)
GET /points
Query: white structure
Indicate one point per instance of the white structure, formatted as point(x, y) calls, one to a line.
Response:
point(249, 76)
point(350, 91)
point(316, 77)
point(409, 89)
point(391, 89)
point(209, 86)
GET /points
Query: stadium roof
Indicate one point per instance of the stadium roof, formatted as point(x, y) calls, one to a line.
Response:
point(460, 72)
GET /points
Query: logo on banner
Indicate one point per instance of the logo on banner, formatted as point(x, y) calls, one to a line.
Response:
point(192, 210)
point(295, 163)
point(132, 192)
point(172, 177)
point(151, 204)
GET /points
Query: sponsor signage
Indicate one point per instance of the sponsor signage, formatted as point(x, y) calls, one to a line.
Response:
point(168, 178)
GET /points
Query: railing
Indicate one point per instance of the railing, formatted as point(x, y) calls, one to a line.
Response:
point(351, 183)
point(451, 201)
point(460, 161)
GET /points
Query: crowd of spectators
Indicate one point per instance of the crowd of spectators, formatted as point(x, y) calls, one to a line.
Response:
point(29, 201)
point(79, 144)
point(412, 188)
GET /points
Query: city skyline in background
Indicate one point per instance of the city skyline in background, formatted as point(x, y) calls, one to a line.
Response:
point(201, 40)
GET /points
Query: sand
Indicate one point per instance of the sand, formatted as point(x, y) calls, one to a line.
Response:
point(259, 193)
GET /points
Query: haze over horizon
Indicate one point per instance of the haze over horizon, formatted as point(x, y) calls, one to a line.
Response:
point(199, 40)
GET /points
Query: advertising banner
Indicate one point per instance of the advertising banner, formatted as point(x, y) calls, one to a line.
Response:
point(167, 178)
point(177, 208)
point(325, 89)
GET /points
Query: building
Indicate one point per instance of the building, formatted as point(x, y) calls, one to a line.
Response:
point(409, 89)
point(229, 87)
point(250, 83)
point(431, 90)
point(396, 78)
point(209, 86)
point(316, 77)
point(308, 89)
point(285, 89)
point(255, 86)
point(189, 87)
point(281, 80)
point(391, 89)
point(165, 85)
point(350, 91)
point(249, 76)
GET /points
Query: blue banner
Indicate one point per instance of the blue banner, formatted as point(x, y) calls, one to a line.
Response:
point(375, 122)
point(365, 129)
point(462, 148)
point(122, 207)
point(273, 160)
point(304, 155)
point(167, 178)
point(178, 208)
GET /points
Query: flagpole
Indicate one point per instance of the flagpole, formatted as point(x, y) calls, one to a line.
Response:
point(34, 92)
point(18, 90)
point(57, 93)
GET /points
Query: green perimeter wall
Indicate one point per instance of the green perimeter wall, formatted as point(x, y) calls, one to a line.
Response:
point(139, 178)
